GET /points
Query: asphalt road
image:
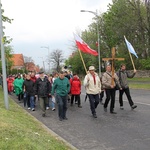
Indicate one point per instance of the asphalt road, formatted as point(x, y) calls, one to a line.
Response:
point(126, 130)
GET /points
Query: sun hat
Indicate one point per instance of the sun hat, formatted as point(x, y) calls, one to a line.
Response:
point(91, 68)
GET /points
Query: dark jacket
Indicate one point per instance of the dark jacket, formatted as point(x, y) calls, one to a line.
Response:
point(42, 87)
point(28, 85)
point(123, 75)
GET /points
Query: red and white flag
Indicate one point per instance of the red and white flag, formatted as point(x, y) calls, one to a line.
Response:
point(83, 46)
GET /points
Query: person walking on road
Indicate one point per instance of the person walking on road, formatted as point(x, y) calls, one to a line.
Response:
point(109, 88)
point(75, 90)
point(18, 82)
point(123, 75)
point(50, 100)
point(28, 88)
point(42, 89)
point(92, 85)
point(10, 81)
point(61, 88)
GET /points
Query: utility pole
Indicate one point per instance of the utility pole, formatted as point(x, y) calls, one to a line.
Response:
point(3, 61)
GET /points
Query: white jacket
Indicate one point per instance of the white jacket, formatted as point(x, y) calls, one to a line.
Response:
point(90, 87)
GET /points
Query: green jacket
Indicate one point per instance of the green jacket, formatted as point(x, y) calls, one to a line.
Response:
point(18, 82)
point(61, 87)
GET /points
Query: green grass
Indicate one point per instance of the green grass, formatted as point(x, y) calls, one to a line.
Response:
point(139, 83)
point(140, 79)
point(20, 131)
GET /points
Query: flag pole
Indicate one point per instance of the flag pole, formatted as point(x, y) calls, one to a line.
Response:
point(130, 57)
point(82, 61)
point(132, 60)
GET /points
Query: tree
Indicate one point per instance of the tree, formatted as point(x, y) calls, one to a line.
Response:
point(56, 57)
point(129, 18)
point(8, 49)
point(123, 17)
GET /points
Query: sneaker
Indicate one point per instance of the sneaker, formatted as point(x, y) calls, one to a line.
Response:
point(121, 107)
point(133, 106)
point(76, 102)
point(47, 108)
point(29, 108)
point(33, 109)
point(53, 109)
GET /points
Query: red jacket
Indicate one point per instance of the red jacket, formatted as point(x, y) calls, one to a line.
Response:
point(75, 84)
point(10, 81)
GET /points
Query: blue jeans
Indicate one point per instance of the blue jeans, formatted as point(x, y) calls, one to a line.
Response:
point(94, 101)
point(51, 103)
point(29, 100)
point(32, 102)
point(62, 105)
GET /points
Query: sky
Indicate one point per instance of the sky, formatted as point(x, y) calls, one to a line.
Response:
point(47, 23)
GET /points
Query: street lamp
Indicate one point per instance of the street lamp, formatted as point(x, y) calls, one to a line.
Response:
point(47, 47)
point(43, 63)
point(98, 37)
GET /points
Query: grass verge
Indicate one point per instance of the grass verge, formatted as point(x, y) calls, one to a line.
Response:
point(139, 83)
point(19, 131)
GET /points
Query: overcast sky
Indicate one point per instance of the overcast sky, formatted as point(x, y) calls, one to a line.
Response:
point(47, 23)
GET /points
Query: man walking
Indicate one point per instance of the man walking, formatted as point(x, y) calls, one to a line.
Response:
point(92, 85)
point(61, 87)
point(110, 88)
point(123, 75)
point(28, 88)
point(42, 89)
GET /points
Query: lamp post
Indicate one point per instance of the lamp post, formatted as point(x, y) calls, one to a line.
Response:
point(43, 63)
point(47, 47)
point(3, 60)
point(98, 37)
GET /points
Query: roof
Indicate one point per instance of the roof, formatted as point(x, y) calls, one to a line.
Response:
point(18, 60)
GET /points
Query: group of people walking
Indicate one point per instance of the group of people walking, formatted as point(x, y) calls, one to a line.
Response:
point(63, 87)
point(47, 89)
point(93, 86)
